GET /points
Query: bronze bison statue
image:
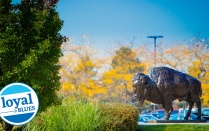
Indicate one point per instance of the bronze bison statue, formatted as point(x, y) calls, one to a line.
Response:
point(163, 85)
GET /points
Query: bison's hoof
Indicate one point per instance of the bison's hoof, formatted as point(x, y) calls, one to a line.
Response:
point(198, 118)
point(185, 118)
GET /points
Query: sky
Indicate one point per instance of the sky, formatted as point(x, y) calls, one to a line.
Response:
point(110, 21)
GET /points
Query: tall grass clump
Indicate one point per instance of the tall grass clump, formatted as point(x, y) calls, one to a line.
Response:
point(72, 115)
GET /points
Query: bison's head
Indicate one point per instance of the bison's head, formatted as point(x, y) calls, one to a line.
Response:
point(140, 82)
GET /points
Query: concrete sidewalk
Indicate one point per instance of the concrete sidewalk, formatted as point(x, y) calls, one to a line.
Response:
point(146, 124)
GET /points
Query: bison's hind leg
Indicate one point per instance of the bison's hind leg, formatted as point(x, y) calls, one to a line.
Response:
point(196, 99)
point(191, 104)
point(199, 110)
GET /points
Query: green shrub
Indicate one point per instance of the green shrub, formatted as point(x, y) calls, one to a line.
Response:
point(75, 115)
point(72, 115)
point(118, 117)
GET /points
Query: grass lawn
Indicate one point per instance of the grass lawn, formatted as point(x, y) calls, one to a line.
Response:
point(175, 127)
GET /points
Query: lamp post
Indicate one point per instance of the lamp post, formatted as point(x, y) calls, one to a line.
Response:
point(155, 37)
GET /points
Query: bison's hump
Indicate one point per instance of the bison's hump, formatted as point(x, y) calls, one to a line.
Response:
point(163, 72)
point(166, 73)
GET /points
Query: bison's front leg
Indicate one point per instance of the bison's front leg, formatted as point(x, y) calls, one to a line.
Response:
point(167, 114)
point(168, 110)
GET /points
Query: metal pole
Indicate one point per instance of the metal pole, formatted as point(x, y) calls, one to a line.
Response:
point(155, 50)
point(155, 37)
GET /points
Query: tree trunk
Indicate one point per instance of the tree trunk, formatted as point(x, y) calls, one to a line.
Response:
point(6, 126)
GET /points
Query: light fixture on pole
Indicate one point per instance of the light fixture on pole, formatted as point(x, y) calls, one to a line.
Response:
point(155, 37)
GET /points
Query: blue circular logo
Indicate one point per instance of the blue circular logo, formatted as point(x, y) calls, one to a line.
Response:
point(18, 103)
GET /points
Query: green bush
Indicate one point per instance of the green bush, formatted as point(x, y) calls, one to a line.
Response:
point(72, 115)
point(75, 115)
point(118, 117)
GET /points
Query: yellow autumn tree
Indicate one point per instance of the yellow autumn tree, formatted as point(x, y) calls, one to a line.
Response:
point(79, 72)
point(199, 67)
point(118, 78)
point(195, 70)
point(146, 56)
point(175, 55)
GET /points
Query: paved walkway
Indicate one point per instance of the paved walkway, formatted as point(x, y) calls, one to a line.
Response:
point(146, 124)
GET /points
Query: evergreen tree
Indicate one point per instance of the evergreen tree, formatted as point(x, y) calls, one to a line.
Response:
point(30, 47)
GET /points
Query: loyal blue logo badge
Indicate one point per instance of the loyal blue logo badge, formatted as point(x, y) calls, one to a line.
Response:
point(18, 103)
